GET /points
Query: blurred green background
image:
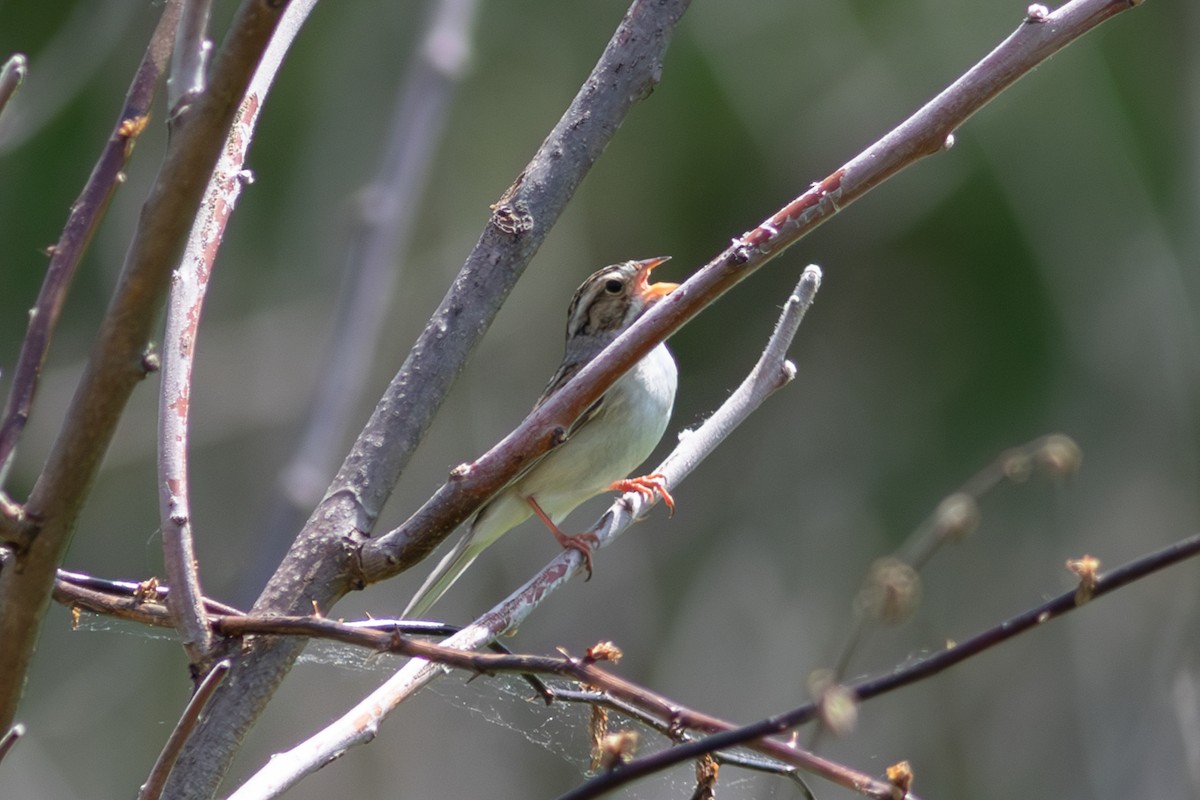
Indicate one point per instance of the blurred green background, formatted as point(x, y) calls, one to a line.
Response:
point(1040, 276)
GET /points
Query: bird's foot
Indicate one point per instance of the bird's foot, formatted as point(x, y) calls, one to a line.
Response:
point(647, 486)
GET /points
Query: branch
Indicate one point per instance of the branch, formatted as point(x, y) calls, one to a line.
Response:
point(153, 787)
point(282, 772)
point(10, 738)
point(926, 132)
point(358, 725)
point(87, 211)
point(192, 48)
point(909, 674)
point(11, 76)
point(382, 636)
point(189, 286)
point(385, 212)
point(118, 360)
point(318, 569)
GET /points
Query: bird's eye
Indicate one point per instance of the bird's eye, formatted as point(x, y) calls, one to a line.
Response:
point(613, 286)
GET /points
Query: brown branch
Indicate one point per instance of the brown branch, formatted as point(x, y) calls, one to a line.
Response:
point(356, 726)
point(926, 132)
point(584, 671)
point(87, 211)
point(377, 636)
point(909, 674)
point(119, 359)
point(152, 789)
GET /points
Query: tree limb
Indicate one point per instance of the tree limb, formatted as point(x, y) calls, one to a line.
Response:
point(927, 131)
point(318, 569)
point(119, 359)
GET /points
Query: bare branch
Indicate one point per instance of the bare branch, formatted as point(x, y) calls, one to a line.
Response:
point(909, 674)
point(9, 739)
point(926, 132)
point(188, 289)
point(118, 361)
point(192, 48)
point(87, 211)
point(11, 76)
point(375, 635)
point(144, 603)
point(358, 725)
point(153, 787)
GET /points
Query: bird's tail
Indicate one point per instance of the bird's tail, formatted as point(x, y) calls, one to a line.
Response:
point(443, 577)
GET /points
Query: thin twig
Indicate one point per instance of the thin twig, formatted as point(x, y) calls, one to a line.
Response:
point(891, 589)
point(358, 725)
point(144, 603)
point(9, 739)
point(377, 635)
point(927, 131)
point(87, 211)
point(119, 358)
point(153, 787)
point(270, 782)
point(189, 286)
point(909, 674)
point(11, 76)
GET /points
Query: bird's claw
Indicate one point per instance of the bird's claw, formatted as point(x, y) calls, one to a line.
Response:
point(647, 486)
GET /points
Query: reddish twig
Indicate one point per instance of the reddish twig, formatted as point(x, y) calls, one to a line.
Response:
point(927, 131)
point(119, 358)
point(85, 216)
point(152, 789)
point(909, 674)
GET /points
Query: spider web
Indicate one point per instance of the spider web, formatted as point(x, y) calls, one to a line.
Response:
point(510, 703)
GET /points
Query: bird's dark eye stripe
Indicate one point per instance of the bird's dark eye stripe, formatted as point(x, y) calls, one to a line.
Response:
point(613, 286)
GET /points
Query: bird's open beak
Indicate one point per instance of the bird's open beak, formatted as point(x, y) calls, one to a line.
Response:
point(653, 291)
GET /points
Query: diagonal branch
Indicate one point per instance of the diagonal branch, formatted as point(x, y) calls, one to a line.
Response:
point(86, 212)
point(119, 359)
point(358, 725)
point(926, 132)
point(911, 673)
